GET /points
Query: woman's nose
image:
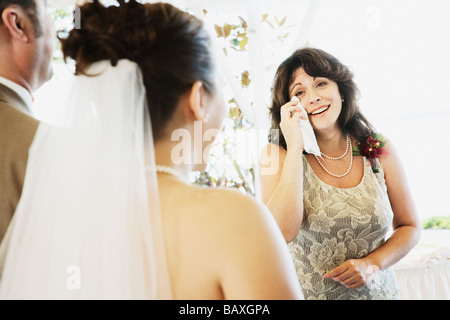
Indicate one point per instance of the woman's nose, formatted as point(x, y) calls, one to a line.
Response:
point(310, 98)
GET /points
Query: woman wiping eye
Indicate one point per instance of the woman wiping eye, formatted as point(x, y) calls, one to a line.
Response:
point(335, 209)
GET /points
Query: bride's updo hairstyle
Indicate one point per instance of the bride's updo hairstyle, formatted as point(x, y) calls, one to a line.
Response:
point(171, 47)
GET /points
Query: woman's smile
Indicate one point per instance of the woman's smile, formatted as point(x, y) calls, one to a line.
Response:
point(320, 111)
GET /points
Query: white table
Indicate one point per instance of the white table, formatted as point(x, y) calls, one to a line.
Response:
point(424, 274)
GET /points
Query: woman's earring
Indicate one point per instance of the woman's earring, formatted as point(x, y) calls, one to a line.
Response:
point(206, 117)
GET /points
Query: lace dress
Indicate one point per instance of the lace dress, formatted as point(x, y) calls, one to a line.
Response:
point(341, 224)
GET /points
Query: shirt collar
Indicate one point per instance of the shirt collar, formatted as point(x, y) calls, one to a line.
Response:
point(21, 91)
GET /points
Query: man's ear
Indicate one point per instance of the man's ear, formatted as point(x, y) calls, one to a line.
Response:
point(17, 23)
point(196, 101)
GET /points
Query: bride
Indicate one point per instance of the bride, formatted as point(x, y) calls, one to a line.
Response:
point(106, 211)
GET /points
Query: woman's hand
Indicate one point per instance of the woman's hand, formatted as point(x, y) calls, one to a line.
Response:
point(353, 273)
point(291, 113)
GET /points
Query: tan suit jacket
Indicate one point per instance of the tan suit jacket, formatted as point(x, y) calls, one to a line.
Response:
point(17, 129)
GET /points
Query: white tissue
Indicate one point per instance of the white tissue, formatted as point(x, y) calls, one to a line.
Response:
point(309, 138)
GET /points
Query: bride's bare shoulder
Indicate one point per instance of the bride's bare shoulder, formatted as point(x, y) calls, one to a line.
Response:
point(219, 208)
point(222, 198)
point(224, 204)
point(213, 226)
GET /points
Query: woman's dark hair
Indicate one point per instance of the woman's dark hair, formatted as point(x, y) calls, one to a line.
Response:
point(171, 47)
point(318, 63)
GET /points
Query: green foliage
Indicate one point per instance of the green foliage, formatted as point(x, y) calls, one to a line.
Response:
point(438, 222)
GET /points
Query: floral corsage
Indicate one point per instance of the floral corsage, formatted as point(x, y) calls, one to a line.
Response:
point(371, 148)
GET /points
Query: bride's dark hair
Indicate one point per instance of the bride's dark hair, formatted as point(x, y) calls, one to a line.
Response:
point(171, 47)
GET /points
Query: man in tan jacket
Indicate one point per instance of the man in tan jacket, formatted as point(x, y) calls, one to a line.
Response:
point(27, 39)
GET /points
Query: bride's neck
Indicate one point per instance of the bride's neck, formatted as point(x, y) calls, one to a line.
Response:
point(164, 156)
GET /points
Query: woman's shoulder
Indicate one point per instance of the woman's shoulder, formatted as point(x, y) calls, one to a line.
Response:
point(228, 225)
point(226, 209)
point(378, 147)
point(223, 201)
point(390, 158)
point(236, 215)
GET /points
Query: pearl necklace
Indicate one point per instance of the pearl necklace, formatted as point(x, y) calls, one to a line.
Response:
point(349, 168)
point(170, 171)
point(349, 143)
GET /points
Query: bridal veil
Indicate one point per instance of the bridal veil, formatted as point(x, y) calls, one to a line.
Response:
point(88, 225)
